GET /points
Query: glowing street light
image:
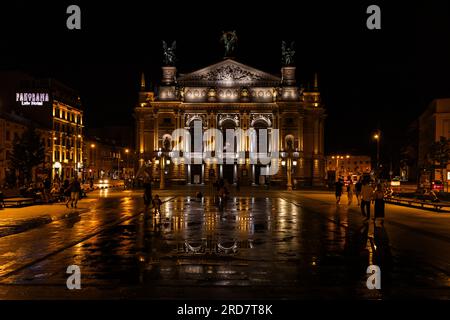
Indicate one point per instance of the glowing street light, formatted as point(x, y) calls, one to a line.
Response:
point(377, 137)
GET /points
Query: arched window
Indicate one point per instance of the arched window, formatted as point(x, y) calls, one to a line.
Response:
point(227, 125)
point(261, 128)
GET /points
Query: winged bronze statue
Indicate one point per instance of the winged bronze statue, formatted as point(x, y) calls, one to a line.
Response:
point(229, 39)
point(287, 53)
point(169, 53)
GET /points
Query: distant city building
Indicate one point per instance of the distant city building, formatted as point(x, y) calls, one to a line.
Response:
point(231, 95)
point(344, 165)
point(12, 127)
point(433, 124)
point(51, 106)
point(409, 153)
point(106, 159)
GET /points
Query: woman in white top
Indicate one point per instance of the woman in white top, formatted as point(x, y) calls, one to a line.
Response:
point(350, 191)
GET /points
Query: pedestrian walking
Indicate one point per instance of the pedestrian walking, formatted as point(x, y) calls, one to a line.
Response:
point(366, 198)
point(66, 191)
point(147, 194)
point(157, 204)
point(379, 204)
point(358, 186)
point(75, 189)
point(47, 188)
point(339, 186)
point(350, 191)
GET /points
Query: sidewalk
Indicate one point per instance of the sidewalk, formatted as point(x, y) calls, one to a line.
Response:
point(16, 220)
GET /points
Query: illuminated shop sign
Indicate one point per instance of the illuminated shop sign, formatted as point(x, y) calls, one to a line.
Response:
point(32, 99)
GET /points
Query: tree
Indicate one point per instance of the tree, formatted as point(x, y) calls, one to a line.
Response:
point(28, 152)
point(439, 155)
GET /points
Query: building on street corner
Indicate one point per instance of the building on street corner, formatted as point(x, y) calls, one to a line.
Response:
point(50, 106)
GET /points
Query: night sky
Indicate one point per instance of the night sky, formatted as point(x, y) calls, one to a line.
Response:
point(369, 78)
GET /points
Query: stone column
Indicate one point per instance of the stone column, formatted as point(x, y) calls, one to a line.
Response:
point(316, 176)
point(141, 144)
point(169, 75)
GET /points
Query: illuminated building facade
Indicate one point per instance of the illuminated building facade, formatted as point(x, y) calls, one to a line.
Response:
point(52, 107)
point(231, 95)
point(105, 158)
point(434, 123)
point(13, 126)
point(344, 165)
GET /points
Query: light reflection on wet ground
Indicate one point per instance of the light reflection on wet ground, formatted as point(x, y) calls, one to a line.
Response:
point(253, 248)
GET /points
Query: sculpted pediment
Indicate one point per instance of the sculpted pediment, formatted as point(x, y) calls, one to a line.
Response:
point(228, 73)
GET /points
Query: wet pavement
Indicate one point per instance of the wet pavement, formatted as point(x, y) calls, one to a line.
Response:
point(279, 245)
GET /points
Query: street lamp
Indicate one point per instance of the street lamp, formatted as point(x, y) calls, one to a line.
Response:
point(289, 160)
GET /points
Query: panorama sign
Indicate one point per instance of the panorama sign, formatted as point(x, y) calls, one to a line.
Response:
point(32, 99)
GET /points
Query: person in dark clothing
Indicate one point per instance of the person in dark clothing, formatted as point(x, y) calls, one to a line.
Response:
point(157, 205)
point(147, 194)
point(66, 191)
point(339, 187)
point(47, 187)
point(378, 197)
point(75, 188)
point(358, 187)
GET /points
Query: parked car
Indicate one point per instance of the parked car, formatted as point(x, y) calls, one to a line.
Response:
point(437, 185)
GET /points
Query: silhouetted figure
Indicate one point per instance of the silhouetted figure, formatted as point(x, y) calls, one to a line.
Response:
point(66, 191)
point(157, 204)
point(338, 186)
point(147, 195)
point(75, 189)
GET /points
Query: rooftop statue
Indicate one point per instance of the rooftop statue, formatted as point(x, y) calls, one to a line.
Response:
point(287, 54)
point(169, 53)
point(229, 39)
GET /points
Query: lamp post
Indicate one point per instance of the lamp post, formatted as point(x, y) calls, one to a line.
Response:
point(289, 160)
point(92, 160)
point(118, 166)
point(162, 165)
point(377, 137)
point(127, 151)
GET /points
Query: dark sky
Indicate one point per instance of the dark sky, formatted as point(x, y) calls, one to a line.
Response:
point(369, 79)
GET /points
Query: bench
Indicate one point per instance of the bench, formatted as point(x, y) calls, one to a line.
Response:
point(18, 201)
point(437, 206)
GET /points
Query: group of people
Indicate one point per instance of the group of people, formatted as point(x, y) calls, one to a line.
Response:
point(365, 195)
